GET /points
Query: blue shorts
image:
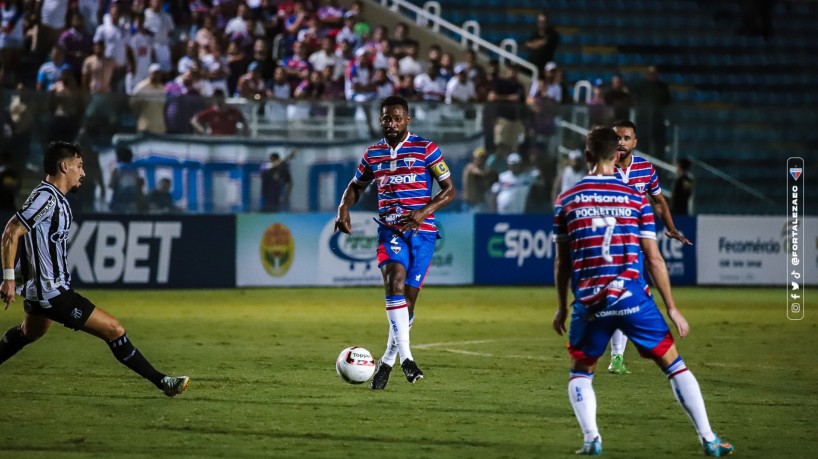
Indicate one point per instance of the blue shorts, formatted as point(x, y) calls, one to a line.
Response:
point(412, 250)
point(643, 324)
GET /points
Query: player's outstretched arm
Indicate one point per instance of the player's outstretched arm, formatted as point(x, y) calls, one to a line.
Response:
point(655, 265)
point(351, 195)
point(562, 277)
point(662, 209)
point(11, 234)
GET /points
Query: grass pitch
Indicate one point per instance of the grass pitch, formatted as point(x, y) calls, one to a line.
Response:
point(264, 383)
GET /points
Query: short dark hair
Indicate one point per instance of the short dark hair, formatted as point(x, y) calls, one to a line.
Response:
point(395, 100)
point(623, 123)
point(57, 152)
point(684, 163)
point(601, 143)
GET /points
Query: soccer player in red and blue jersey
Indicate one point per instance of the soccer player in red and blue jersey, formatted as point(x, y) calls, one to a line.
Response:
point(638, 173)
point(404, 166)
point(602, 227)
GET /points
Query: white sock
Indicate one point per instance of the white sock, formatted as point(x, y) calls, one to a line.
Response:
point(618, 342)
point(391, 353)
point(398, 315)
point(583, 399)
point(687, 393)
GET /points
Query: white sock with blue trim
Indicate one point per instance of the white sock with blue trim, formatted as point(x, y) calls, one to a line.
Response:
point(687, 393)
point(397, 312)
point(583, 399)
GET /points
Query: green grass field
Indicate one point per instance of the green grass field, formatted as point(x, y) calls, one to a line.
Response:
point(264, 382)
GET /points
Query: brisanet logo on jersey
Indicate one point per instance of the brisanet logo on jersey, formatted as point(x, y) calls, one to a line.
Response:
point(795, 238)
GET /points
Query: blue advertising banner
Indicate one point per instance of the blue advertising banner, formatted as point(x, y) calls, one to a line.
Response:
point(152, 251)
point(679, 258)
point(513, 249)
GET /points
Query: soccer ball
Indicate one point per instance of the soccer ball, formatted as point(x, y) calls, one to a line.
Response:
point(355, 365)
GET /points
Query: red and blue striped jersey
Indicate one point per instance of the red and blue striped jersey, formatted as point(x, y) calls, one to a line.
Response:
point(404, 177)
point(603, 220)
point(640, 175)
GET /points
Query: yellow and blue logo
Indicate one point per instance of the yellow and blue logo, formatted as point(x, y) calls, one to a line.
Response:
point(277, 249)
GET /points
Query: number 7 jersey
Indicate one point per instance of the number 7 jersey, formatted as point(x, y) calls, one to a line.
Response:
point(603, 219)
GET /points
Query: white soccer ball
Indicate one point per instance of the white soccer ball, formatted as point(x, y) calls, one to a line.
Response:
point(355, 365)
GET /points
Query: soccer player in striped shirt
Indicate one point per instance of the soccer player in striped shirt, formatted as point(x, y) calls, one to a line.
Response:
point(639, 173)
point(602, 229)
point(403, 165)
point(44, 223)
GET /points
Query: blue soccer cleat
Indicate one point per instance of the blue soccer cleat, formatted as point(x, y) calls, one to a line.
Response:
point(717, 448)
point(591, 448)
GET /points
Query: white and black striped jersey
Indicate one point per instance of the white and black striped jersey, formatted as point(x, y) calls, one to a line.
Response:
point(44, 268)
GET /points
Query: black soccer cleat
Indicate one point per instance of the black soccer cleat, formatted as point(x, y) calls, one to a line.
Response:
point(411, 370)
point(381, 376)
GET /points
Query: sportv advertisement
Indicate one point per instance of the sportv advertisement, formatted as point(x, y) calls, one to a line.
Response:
point(152, 252)
point(304, 249)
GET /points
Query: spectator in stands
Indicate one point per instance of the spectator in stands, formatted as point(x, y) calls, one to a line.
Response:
point(208, 33)
point(324, 57)
point(237, 62)
point(384, 86)
point(295, 21)
point(66, 106)
point(311, 88)
point(344, 54)
point(281, 89)
point(215, 68)
point(652, 98)
point(190, 57)
point(619, 98)
point(298, 66)
point(114, 35)
point(262, 55)
point(333, 87)
point(125, 183)
point(148, 100)
point(477, 180)
point(330, 17)
point(409, 64)
point(484, 85)
point(513, 186)
point(447, 65)
point(22, 116)
point(160, 199)
point(50, 71)
point(460, 89)
point(682, 188)
point(401, 40)
point(242, 23)
point(383, 52)
point(508, 97)
point(432, 55)
point(347, 33)
point(89, 13)
point(544, 109)
point(364, 33)
point(76, 42)
point(574, 170)
point(359, 85)
point(87, 194)
point(11, 40)
point(252, 86)
point(598, 112)
point(140, 53)
point(406, 88)
point(10, 182)
point(161, 25)
point(543, 42)
point(98, 71)
point(476, 71)
point(276, 184)
point(431, 85)
point(183, 101)
point(219, 119)
point(51, 24)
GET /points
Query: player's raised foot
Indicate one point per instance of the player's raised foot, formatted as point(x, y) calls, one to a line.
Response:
point(174, 385)
point(591, 448)
point(617, 365)
point(411, 370)
point(717, 448)
point(381, 376)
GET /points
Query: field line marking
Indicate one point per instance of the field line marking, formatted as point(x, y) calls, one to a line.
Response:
point(452, 343)
point(445, 347)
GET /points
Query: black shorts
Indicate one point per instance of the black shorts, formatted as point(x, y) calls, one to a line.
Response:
point(68, 308)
